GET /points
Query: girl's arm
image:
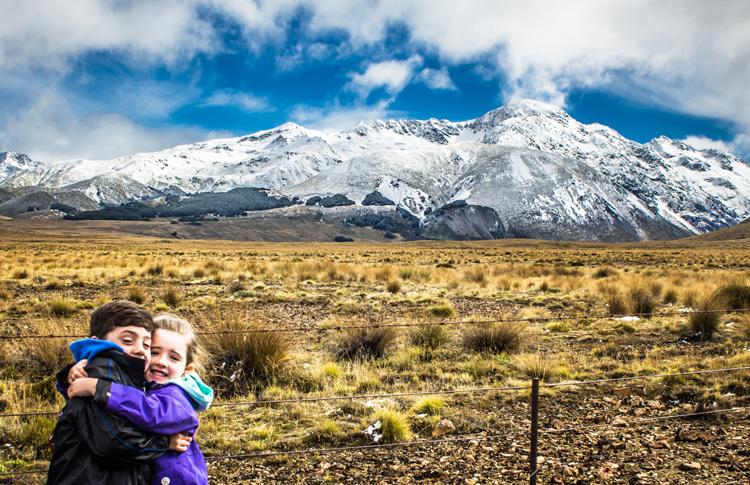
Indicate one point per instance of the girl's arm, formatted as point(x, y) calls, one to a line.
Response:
point(165, 411)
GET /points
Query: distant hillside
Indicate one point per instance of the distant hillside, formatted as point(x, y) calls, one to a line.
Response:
point(740, 231)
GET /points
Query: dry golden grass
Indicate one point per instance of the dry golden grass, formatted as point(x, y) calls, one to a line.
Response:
point(223, 285)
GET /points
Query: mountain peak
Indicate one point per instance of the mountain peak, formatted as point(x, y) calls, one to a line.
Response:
point(522, 108)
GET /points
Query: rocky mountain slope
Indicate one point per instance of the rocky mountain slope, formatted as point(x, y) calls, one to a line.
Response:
point(526, 169)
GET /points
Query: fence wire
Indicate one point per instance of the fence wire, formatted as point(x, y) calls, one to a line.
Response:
point(438, 392)
point(529, 320)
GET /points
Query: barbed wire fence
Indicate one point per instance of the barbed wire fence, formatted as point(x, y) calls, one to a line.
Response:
point(534, 399)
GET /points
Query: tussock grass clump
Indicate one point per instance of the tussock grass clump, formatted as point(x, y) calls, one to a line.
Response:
point(393, 286)
point(641, 301)
point(670, 296)
point(156, 270)
point(199, 273)
point(33, 433)
point(429, 336)
point(535, 366)
point(60, 307)
point(604, 272)
point(441, 311)
point(430, 405)
point(733, 295)
point(496, 338)
point(325, 432)
point(172, 296)
point(331, 370)
point(235, 286)
point(363, 343)
point(20, 274)
point(394, 426)
point(136, 295)
point(704, 321)
point(244, 361)
point(4, 295)
point(476, 274)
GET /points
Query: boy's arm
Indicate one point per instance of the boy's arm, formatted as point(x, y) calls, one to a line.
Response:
point(114, 438)
point(110, 436)
point(155, 412)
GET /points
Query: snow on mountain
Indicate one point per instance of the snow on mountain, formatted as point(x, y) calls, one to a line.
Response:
point(543, 172)
point(18, 170)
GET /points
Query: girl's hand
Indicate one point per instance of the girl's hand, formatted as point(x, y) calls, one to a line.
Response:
point(83, 387)
point(179, 442)
point(77, 371)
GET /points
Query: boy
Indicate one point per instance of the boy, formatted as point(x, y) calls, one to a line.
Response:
point(90, 445)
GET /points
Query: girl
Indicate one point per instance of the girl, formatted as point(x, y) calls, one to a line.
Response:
point(170, 404)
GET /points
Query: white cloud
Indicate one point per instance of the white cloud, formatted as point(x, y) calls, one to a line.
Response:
point(50, 130)
point(47, 34)
point(437, 79)
point(338, 117)
point(704, 143)
point(391, 75)
point(693, 56)
point(243, 101)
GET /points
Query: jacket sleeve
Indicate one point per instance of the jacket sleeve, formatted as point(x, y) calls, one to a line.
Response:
point(114, 438)
point(165, 411)
point(61, 381)
point(109, 436)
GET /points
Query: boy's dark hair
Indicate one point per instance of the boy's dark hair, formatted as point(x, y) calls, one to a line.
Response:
point(119, 313)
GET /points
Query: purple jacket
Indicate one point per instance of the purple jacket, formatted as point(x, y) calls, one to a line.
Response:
point(162, 410)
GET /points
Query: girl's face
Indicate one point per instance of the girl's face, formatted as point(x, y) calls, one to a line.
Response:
point(168, 356)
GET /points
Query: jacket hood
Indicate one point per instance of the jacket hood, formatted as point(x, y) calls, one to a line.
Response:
point(199, 393)
point(91, 347)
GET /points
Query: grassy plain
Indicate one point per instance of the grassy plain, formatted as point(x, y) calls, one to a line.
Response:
point(561, 292)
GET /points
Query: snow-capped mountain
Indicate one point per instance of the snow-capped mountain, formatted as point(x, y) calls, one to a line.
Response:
point(542, 172)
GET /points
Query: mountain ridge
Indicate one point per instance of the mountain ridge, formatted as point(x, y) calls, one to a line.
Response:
point(542, 172)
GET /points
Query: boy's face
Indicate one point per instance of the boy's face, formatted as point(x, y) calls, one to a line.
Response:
point(135, 341)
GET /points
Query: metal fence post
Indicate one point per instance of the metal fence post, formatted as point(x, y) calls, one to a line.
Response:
point(534, 430)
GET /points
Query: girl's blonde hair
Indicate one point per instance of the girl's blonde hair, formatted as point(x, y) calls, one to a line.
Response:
point(196, 355)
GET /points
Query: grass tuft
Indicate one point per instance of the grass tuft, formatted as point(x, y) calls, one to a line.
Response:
point(496, 338)
point(429, 336)
point(244, 361)
point(363, 343)
point(394, 425)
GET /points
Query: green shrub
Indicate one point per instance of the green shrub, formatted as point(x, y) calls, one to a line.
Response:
point(496, 338)
point(364, 342)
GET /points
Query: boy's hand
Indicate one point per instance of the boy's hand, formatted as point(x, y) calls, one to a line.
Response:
point(179, 442)
point(83, 387)
point(77, 371)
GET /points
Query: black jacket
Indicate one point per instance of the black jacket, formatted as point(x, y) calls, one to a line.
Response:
point(91, 445)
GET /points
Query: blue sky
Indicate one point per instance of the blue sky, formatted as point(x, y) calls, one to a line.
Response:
point(96, 79)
